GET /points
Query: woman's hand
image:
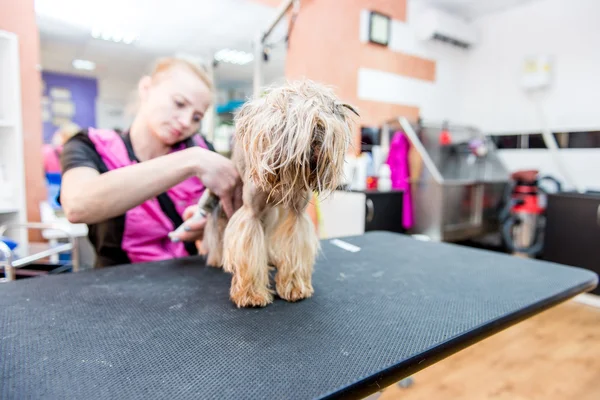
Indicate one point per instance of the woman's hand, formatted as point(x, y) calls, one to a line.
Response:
point(219, 174)
point(193, 228)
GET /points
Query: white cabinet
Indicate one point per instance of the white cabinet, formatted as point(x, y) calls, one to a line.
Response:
point(13, 208)
point(342, 214)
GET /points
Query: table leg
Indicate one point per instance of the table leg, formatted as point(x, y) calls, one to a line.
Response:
point(75, 259)
point(406, 382)
point(53, 257)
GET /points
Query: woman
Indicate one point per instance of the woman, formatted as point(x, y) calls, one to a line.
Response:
point(134, 189)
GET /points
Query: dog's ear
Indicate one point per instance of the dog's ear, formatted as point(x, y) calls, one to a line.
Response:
point(349, 107)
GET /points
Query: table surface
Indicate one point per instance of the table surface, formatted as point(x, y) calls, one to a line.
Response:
point(168, 329)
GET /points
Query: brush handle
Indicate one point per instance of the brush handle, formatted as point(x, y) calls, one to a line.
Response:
point(204, 204)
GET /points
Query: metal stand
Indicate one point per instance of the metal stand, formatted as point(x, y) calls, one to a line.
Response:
point(10, 263)
point(259, 42)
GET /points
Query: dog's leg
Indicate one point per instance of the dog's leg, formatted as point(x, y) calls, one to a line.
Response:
point(293, 247)
point(212, 241)
point(245, 252)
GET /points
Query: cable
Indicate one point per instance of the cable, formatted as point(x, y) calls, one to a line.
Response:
point(551, 143)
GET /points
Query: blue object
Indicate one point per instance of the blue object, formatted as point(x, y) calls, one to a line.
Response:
point(53, 181)
point(229, 106)
point(53, 178)
point(64, 256)
point(9, 242)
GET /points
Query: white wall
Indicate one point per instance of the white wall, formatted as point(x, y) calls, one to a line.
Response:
point(437, 100)
point(568, 31)
point(480, 86)
point(113, 98)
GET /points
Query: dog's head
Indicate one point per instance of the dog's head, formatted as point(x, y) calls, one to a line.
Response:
point(294, 138)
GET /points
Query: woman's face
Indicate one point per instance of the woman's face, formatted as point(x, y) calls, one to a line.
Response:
point(174, 103)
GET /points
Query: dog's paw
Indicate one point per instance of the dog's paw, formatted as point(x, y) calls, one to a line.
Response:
point(252, 298)
point(228, 267)
point(294, 289)
point(214, 262)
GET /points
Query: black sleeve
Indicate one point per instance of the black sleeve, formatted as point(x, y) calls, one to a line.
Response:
point(209, 144)
point(79, 151)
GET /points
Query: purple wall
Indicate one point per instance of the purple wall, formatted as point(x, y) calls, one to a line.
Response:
point(83, 94)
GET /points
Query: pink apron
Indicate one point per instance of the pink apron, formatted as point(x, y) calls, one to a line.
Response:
point(146, 226)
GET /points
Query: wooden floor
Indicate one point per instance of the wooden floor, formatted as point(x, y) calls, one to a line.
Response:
point(555, 355)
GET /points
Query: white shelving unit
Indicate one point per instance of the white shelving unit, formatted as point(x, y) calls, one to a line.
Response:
point(13, 206)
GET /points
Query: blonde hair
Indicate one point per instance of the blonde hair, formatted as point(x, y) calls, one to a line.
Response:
point(289, 143)
point(294, 139)
point(165, 64)
point(64, 133)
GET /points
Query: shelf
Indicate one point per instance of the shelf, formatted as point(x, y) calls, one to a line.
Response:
point(12, 209)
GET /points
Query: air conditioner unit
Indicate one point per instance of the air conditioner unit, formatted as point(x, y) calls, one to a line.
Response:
point(438, 25)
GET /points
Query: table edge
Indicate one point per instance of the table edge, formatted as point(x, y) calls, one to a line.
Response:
point(382, 379)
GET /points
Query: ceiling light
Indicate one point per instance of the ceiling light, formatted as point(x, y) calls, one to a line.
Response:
point(85, 65)
point(96, 33)
point(234, 56)
point(114, 35)
point(129, 38)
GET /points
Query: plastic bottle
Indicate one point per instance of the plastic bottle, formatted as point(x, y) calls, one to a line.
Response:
point(360, 175)
point(384, 182)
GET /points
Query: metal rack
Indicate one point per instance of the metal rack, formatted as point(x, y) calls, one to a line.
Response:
point(457, 195)
point(9, 263)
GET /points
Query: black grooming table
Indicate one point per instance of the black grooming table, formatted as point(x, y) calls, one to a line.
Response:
point(168, 329)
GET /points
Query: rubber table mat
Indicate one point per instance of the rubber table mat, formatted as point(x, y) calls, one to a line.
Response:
point(169, 330)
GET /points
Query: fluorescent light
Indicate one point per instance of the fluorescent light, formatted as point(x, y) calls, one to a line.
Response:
point(96, 33)
point(129, 38)
point(113, 35)
point(85, 65)
point(234, 56)
point(98, 17)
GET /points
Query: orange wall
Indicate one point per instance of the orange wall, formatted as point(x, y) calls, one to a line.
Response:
point(325, 46)
point(18, 16)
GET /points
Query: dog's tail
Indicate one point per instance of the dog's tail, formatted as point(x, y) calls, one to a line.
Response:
point(295, 138)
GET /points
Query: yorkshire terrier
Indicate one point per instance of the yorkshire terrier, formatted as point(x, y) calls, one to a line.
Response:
point(288, 143)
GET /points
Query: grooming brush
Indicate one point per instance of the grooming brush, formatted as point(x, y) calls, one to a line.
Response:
point(206, 204)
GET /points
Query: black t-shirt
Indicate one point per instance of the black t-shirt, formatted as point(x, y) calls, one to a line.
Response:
point(107, 236)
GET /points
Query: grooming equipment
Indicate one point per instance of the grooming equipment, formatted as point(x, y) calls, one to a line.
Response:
point(459, 179)
point(523, 218)
point(206, 204)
